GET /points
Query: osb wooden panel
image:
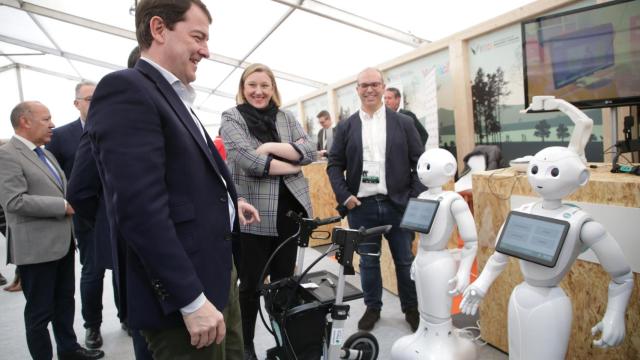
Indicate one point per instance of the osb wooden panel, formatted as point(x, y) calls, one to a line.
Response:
point(323, 200)
point(586, 286)
point(586, 283)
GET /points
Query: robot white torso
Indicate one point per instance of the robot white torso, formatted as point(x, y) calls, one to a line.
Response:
point(443, 222)
point(539, 275)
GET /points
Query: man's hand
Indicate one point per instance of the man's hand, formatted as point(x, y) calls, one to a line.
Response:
point(322, 153)
point(68, 210)
point(205, 325)
point(247, 214)
point(352, 202)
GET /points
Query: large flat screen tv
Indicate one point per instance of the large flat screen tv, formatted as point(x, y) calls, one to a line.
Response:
point(588, 56)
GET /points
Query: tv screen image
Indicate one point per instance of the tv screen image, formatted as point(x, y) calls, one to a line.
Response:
point(589, 56)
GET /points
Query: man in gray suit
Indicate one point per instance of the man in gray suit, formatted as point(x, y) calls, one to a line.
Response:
point(39, 235)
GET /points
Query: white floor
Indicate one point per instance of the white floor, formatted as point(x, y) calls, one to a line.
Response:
point(117, 345)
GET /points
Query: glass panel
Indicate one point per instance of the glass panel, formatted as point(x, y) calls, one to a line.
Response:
point(298, 47)
point(90, 72)
point(210, 73)
point(290, 91)
point(431, 103)
point(17, 24)
point(218, 104)
point(348, 101)
point(9, 99)
point(238, 25)
point(311, 108)
point(87, 42)
point(59, 102)
point(231, 84)
point(47, 62)
point(424, 19)
point(112, 12)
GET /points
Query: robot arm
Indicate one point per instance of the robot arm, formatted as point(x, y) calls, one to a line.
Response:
point(468, 233)
point(612, 260)
point(583, 124)
point(475, 292)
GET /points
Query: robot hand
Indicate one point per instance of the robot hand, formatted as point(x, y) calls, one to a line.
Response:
point(471, 300)
point(457, 284)
point(612, 329)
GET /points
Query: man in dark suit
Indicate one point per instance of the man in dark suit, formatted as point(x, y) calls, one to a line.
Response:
point(392, 99)
point(87, 198)
point(64, 146)
point(39, 235)
point(170, 200)
point(372, 172)
point(325, 135)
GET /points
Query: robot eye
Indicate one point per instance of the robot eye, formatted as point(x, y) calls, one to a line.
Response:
point(428, 166)
point(555, 172)
point(534, 169)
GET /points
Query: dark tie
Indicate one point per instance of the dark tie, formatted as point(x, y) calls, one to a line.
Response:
point(46, 163)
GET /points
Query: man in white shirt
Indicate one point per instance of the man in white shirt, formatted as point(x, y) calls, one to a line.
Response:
point(372, 172)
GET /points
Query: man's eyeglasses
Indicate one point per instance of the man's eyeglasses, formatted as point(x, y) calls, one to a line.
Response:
point(87, 99)
point(375, 85)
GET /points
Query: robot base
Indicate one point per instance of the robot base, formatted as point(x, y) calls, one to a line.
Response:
point(434, 341)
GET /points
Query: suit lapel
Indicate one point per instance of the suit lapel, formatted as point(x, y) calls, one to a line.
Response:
point(357, 137)
point(33, 157)
point(392, 128)
point(179, 108)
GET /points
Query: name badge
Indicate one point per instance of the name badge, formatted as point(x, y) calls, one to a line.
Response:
point(370, 172)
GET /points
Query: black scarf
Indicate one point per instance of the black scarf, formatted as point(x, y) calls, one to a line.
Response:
point(261, 122)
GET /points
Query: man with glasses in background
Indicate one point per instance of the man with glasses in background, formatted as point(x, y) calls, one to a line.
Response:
point(379, 149)
point(64, 145)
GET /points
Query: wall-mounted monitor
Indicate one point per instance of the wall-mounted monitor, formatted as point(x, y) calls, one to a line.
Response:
point(588, 56)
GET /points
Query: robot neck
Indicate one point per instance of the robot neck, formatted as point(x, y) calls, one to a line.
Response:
point(435, 190)
point(551, 204)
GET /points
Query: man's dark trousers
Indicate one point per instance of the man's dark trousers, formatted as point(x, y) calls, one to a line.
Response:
point(374, 211)
point(92, 274)
point(41, 283)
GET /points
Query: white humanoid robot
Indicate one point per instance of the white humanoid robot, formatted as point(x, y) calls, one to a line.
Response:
point(434, 269)
point(540, 312)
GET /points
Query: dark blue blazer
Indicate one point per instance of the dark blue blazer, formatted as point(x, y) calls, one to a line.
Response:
point(166, 200)
point(403, 149)
point(85, 195)
point(64, 143)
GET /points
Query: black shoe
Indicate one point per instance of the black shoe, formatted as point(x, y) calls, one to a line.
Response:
point(93, 338)
point(81, 354)
point(369, 319)
point(249, 353)
point(3, 280)
point(412, 316)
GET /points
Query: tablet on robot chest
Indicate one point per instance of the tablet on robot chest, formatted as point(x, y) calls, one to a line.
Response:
point(533, 238)
point(419, 215)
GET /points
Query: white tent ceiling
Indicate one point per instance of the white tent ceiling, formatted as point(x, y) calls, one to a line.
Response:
point(46, 46)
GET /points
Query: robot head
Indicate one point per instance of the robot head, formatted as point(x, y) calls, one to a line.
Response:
point(556, 172)
point(436, 167)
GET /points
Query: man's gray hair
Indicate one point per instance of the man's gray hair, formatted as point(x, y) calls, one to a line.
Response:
point(81, 84)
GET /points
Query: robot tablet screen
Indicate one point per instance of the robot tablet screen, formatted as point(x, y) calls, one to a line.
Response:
point(419, 215)
point(533, 238)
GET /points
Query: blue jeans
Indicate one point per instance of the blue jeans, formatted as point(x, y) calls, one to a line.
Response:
point(377, 211)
